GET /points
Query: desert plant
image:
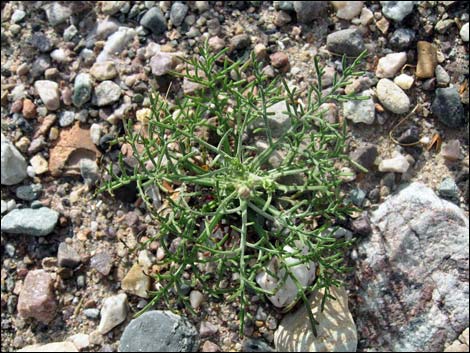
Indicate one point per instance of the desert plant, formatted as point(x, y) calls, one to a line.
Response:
point(242, 188)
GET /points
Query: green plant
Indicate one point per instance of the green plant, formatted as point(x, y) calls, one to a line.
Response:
point(231, 204)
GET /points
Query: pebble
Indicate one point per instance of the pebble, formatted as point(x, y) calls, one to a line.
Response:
point(240, 41)
point(448, 189)
point(309, 11)
point(397, 10)
point(357, 197)
point(4, 207)
point(80, 341)
point(347, 10)
point(361, 225)
point(178, 13)
point(111, 7)
point(154, 21)
point(13, 164)
point(106, 93)
point(397, 164)
point(442, 26)
point(390, 64)
point(401, 39)
point(366, 16)
point(23, 69)
point(113, 312)
point(255, 345)
point(29, 109)
point(410, 135)
point(82, 89)
point(29, 192)
point(89, 171)
point(196, 298)
point(95, 133)
point(442, 77)
point(67, 256)
point(70, 32)
point(209, 346)
point(56, 13)
point(207, 329)
point(169, 333)
point(66, 118)
point(404, 81)
point(49, 93)
point(347, 41)
point(464, 32)
point(365, 155)
point(37, 222)
point(37, 299)
point(279, 60)
point(282, 18)
point(39, 164)
point(103, 71)
point(448, 108)
point(91, 313)
point(41, 42)
point(136, 282)
point(392, 97)
point(360, 111)
point(451, 150)
point(162, 63)
point(102, 262)
point(18, 16)
point(50, 347)
point(427, 60)
point(260, 51)
point(114, 45)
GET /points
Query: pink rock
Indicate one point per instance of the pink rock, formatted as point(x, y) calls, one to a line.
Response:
point(279, 60)
point(209, 346)
point(451, 150)
point(37, 298)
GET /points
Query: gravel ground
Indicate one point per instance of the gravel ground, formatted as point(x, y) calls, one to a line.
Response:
point(56, 41)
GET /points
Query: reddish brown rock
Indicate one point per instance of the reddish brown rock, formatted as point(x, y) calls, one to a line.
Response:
point(16, 106)
point(29, 109)
point(73, 145)
point(280, 61)
point(37, 298)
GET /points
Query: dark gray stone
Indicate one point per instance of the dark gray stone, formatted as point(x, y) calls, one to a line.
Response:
point(240, 41)
point(36, 222)
point(29, 192)
point(159, 331)
point(178, 13)
point(357, 197)
point(154, 21)
point(365, 155)
point(402, 39)
point(308, 11)
point(348, 41)
point(413, 273)
point(67, 256)
point(41, 42)
point(448, 107)
point(102, 262)
point(410, 135)
point(361, 225)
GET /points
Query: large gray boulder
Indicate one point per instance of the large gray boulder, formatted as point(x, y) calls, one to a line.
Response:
point(413, 273)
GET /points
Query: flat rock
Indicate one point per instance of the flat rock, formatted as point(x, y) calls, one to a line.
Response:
point(37, 299)
point(365, 155)
point(397, 164)
point(159, 331)
point(13, 164)
point(106, 93)
point(67, 256)
point(29, 192)
point(102, 262)
point(57, 13)
point(162, 63)
point(72, 145)
point(113, 312)
point(178, 13)
point(28, 221)
point(413, 273)
point(82, 89)
point(116, 43)
point(392, 97)
point(360, 111)
point(336, 329)
point(136, 282)
point(346, 41)
point(49, 93)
